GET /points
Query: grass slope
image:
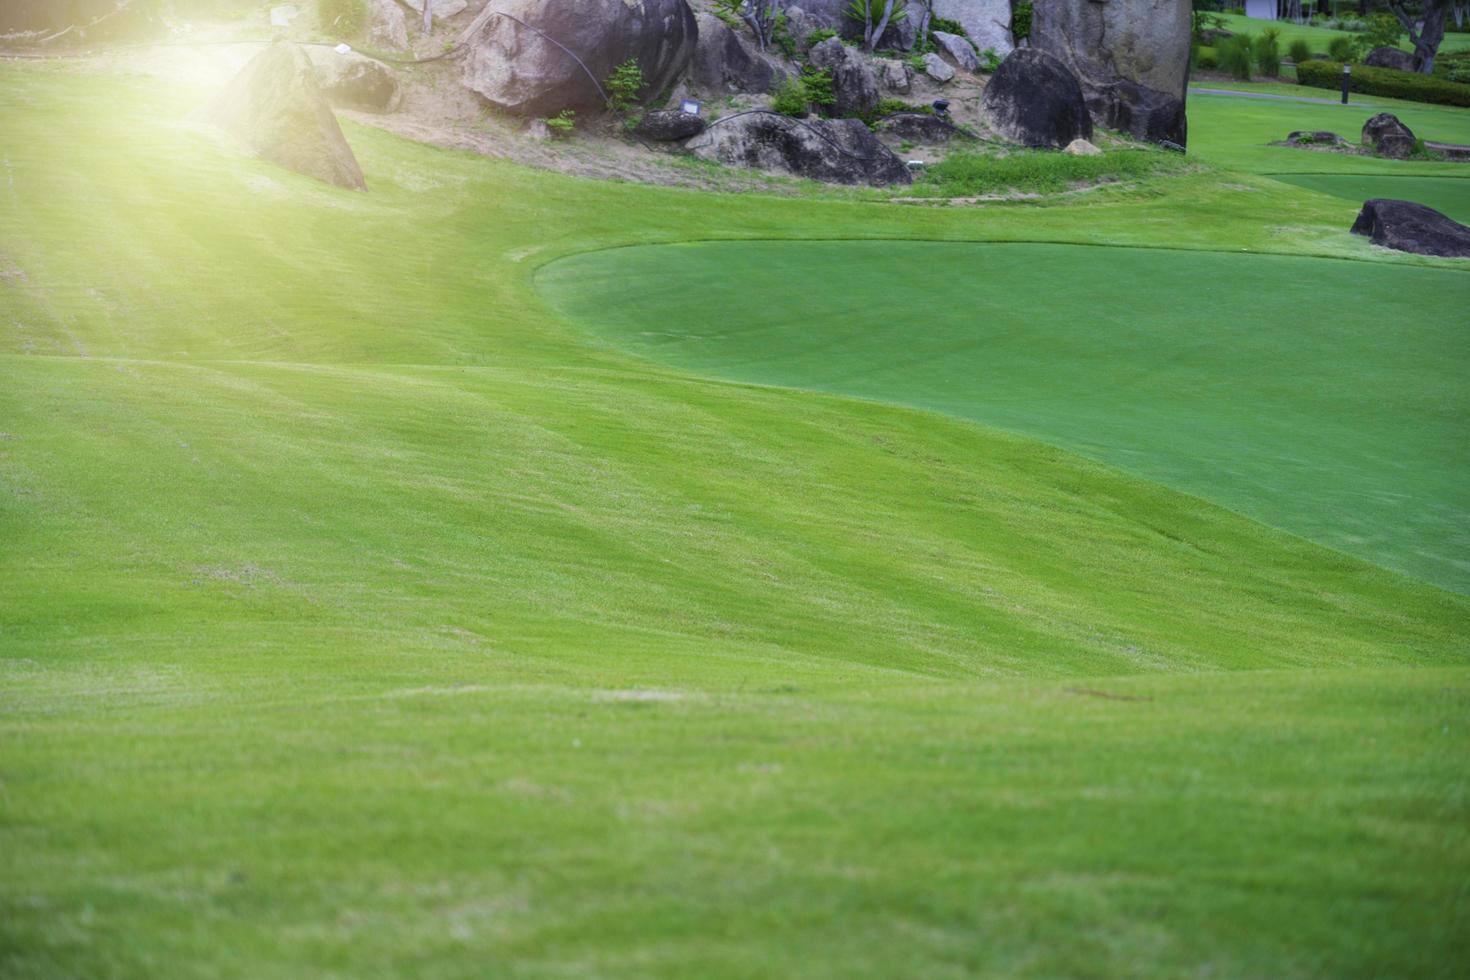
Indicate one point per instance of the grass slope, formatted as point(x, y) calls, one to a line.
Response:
point(1341, 420)
point(1448, 195)
point(358, 618)
point(1319, 37)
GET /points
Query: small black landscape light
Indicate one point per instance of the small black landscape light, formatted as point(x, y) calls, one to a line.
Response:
point(1347, 77)
point(941, 108)
point(690, 107)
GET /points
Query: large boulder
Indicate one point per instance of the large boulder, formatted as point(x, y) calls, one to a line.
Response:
point(918, 127)
point(276, 109)
point(79, 21)
point(669, 125)
point(958, 48)
point(839, 151)
point(853, 81)
point(511, 61)
point(987, 22)
point(1411, 227)
point(1034, 99)
point(1388, 136)
point(722, 62)
point(1386, 57)
point(1132, 60)
point(387, 30)
point(937, 68)
point(355, 81)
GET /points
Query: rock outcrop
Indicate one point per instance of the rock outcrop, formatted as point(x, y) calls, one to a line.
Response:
point(958, 48)
point(1388, 136)
point(722, 62)
point(511, 61)
point(918, 127)
point(276, 109)
point(987, 22)
point(355, 81)
point(853, 81)
point(839, 151)
point(1410, 227)
point(1034, 99)
point(1131, 58)
point(1386, 57)
point(893, 76)
point(387, 29)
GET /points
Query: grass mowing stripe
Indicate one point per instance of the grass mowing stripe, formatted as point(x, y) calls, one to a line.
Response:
point(1250, 380)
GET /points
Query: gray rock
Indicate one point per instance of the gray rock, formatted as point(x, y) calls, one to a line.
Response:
point(355, 81)
point(1410, 227)
point(520, 71)
point(387, 28)
point(987, 22)
point(1388, 136)
point(1082, 148)
point(1320, 137)
point(958, 48)
point(1034, 99)
point(276, 109)
point(669, 125)
point(937, 68)
point(1131, 58)
point(1390, 58)
point(722, 62)
point(442, 9)
point(894, 76)
point(920, 127)
point(840, 151)
point(853, 81)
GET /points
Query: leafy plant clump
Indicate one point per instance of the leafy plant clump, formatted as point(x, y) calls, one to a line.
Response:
point(1038, 171)
point(1021, 20)
point(1389, 82)
point(624, 86)
point(1235, 56)
point(1299, 51)
point(790, 99)
point(1342, 49)
point(819, 35)
point(1267, 51)
point(562, 123)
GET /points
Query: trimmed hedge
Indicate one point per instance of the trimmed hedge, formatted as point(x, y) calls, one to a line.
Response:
point(1384, 81)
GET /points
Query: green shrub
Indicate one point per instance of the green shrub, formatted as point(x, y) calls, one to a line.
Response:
point(1021, 20)
point(1382, 30)
point(342, 18)
point(624, 86)
point(1342, 49)
point(790, 99)
point(818, 86)
point(1386, 82)
point(781, 36)
point(1235, 56)
point(1267, 49)
point(562, 123)
point(819, 35)
point(1299, 51)
point(989, 61)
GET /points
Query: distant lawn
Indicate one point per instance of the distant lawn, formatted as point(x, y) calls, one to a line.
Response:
point(1318, 37)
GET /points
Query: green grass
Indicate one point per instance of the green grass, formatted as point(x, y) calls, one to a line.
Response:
point(1449, 195)
point(358, 617)
point(975, 174)
point(1318, 37)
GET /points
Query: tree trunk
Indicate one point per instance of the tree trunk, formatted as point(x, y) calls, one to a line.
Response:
point(1427, 35)
point(875, 31)
point(428, 16)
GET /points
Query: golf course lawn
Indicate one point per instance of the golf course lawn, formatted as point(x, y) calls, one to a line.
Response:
point(365, 614)
point(1448, 195)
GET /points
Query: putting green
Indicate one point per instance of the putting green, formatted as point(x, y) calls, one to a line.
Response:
point(1450, 195)
point(1325, 397)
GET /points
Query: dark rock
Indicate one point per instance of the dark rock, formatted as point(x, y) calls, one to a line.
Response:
point(722, 63)
point(853, 81)
point(1131, 58)
point(355, 81)
point(1035, 100)
point(1410, 227)
point(1388, 136)
point(1386, 57)
point(669, 125)
point(517, 69)
point(276, 109)
point(839, 151)
point(919, 127)
point(1320, 137)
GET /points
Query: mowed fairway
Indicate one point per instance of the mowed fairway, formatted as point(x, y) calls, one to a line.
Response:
point(1303, 392)
point(362, 617)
